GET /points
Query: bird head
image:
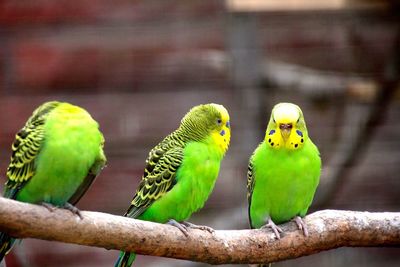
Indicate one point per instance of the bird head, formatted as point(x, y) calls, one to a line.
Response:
point(208, 122)
point(286, 127)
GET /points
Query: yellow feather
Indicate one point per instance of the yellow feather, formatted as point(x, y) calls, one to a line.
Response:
point(286, 113)
point(222, 141)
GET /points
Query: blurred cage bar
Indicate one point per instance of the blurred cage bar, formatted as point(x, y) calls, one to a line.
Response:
point(138, 66)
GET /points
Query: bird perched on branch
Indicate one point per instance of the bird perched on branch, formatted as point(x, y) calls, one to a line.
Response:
point(283, 172)
point(55, 158)
point(181, 171)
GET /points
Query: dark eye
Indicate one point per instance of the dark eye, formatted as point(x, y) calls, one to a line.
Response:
point(219, 121)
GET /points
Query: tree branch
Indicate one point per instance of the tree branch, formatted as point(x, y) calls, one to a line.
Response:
point(328, 229)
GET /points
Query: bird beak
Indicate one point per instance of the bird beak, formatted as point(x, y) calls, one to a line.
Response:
point(285, 130)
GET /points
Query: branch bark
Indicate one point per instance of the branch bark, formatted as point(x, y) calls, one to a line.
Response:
point(328, 229)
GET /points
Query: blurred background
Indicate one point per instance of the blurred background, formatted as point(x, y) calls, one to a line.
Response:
point(138, 67)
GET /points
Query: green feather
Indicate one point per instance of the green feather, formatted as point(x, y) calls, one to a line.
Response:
point(55, 157)
point(181, 170)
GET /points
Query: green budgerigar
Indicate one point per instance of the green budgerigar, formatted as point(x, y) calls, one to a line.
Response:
point(55, 158)
point(283, 172)
point(181, 171)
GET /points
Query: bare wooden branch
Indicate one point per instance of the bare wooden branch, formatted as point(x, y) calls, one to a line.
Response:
point(328, 229)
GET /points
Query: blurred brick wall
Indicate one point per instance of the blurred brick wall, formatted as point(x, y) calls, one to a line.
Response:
point(136, 45)
point(103, 45)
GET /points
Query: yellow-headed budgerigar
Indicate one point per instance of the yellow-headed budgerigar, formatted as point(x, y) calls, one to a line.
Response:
point(181, 171)
point(55, 158)
point(283, 172)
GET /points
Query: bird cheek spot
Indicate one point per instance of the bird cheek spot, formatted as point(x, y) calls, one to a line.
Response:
point(271, 132)
point(222, 133)
point(228, 124)
point(299, 133)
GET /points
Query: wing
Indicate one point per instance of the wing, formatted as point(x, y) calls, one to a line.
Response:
point(157, 182)
point(250, 185)
point(26, 147)
point(93, 172)
point(172, 141)
point(97, 166)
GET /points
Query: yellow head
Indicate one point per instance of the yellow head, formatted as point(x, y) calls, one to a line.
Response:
point(286, 128)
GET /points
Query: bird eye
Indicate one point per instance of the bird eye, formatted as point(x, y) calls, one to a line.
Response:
point(219, 121)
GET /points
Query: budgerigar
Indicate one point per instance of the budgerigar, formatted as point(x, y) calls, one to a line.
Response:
point(283, 172)
point(181, 171)
point(55, 158)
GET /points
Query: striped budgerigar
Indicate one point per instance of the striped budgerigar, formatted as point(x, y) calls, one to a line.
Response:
point(181, 171)
point(55, 158)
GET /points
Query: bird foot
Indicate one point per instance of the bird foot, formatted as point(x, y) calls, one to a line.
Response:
point(73, 209)
point(274, 227)
point(180, 226)
point(301, 225)
point(200, 227)
point(48, 206)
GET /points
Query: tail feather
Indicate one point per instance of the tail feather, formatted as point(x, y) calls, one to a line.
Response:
point(6, 243)
point(125, 259)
